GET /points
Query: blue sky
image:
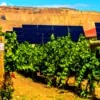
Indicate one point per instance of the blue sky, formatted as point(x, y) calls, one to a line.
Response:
point(93, 5)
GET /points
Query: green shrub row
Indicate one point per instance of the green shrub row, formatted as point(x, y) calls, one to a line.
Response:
point(58, 60)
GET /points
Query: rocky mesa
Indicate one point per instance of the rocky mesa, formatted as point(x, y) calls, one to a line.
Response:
point(16, 16)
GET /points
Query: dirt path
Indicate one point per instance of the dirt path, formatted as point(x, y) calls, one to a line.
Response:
point(26, 89)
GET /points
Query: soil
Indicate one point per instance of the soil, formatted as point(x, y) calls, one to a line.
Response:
point(27, 89)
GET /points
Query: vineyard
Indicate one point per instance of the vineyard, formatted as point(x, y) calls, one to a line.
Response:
point(57, 61)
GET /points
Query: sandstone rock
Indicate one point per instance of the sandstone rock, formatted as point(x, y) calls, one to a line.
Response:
point(16, 16)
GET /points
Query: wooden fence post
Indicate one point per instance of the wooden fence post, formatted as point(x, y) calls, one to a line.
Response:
point(1, 60)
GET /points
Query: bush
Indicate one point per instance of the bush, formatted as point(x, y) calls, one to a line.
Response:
point(58, 59)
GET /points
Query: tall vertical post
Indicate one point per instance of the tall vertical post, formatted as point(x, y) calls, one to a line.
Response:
point(1, 60)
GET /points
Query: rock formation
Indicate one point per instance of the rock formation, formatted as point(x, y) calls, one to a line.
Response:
point(16, 16)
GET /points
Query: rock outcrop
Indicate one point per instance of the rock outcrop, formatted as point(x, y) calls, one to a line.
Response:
point(16, 16)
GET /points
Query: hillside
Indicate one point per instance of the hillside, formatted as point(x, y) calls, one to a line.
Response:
point(16, 16)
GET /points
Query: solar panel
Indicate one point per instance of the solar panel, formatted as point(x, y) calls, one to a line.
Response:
point(17, 29)
point(20, 41)
point(45, 30)
point(29, 26)
point(35, 40)
point(98, 29)
point(47, 35)
point(75, 32)
point(20, 37)
point(30, 29)
point(41, 36)
point(45, 40)
point(97, 25)
point(19, 33)
point(98, 38)
point(75, 35)
point(31, 36)
point(26, 33)
point(75, 28)
point(98, 35)
point(42, 33)
point(60, 30)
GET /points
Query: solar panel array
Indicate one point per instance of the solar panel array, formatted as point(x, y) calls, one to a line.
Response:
point(98, 30)
point(40, 34)
point(20, 34)
point(75, 32)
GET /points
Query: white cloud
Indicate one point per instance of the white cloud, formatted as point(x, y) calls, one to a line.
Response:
point(65, 6)
point(10, 5)
point(3, 4)
point(79, 5)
